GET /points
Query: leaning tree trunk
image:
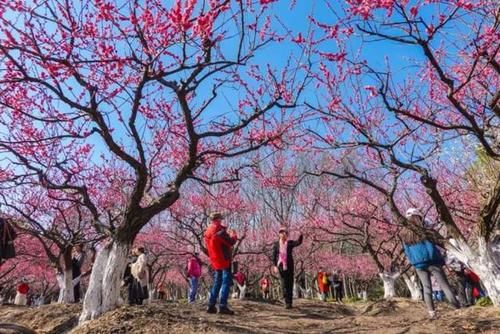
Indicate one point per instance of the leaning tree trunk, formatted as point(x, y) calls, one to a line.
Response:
point(104, 285)
point(482, 262)
point(389, 280)
point(413, 285)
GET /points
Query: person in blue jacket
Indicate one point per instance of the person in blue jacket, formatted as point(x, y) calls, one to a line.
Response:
point(427, 260)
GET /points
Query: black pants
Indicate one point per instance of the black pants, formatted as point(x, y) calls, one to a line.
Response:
point(287, 285)
point(76, 293)
point(136, 293)
point(338, 291)
point(76, 289)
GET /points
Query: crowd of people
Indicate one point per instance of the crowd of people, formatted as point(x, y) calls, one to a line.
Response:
point(434, 270)
point(330, 283)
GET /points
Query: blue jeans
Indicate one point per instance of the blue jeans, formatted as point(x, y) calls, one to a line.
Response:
point(223, 279)
point(438, 295)
point(193, 288)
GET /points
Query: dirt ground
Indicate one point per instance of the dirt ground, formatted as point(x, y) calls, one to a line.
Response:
point(397, 316)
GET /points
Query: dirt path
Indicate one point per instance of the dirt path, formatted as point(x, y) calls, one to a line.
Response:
point(398, 316)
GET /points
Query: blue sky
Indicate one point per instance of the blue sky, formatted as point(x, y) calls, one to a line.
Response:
point(296, 19)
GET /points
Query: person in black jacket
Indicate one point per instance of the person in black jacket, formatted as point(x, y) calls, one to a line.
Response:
point(77, 259)
point(7, 237)
point(283, 263)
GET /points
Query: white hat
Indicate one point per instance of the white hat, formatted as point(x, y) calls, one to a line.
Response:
point(413, 212)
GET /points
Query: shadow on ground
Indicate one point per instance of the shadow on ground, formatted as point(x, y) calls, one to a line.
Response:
point(384, 317)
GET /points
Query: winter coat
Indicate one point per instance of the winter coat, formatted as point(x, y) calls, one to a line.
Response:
point(423, 254)
point(240, 278)
point(194, 267)
point(23, 288)
point(289, 252)
point(219, 246)
point(323, 287)
point(139, 270)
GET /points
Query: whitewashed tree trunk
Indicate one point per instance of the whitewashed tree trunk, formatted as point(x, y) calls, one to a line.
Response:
point(66, 291)
point(346, 287)
point(389, 280)
point(295, 290)
point(153, 293)
point(413, 286)
point(480, 261)
point(104, 285)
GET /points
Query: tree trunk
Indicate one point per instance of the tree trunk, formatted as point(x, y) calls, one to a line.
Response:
point(104, 285)
point(346, 286)
point(482, 262)
point(295, 289)
point(413, 285)
point(351, 286)
point(66, 291)
point(389, 280)
point(64, 277)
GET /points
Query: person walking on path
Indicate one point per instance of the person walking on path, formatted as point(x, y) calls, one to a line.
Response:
point(22, 293)
point(473, 285)
point(323, 284)
point(7, 237)
point(337, 286)
point(194, 273)
point(140, 276)
point(219, 245)
point(284, 264)
point(77, 259)
point(241, 282)
point(457, 270)
point(427, 260)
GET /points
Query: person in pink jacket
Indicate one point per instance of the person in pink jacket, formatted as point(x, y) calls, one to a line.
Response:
point(194, 273)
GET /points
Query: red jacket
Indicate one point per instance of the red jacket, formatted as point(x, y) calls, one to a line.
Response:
point(265, 283)
point(240, 278)
point(219, 246)
point(194, 268)
point(23, 288)
point(472, 276)
point(323, 288)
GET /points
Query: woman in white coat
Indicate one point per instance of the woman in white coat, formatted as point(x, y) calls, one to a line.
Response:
point(140, 274)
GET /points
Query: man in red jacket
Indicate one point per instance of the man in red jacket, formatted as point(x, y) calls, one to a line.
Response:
point(219, 245)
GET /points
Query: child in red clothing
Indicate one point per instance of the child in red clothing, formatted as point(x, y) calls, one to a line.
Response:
point(241, 283)
point(22, 294)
